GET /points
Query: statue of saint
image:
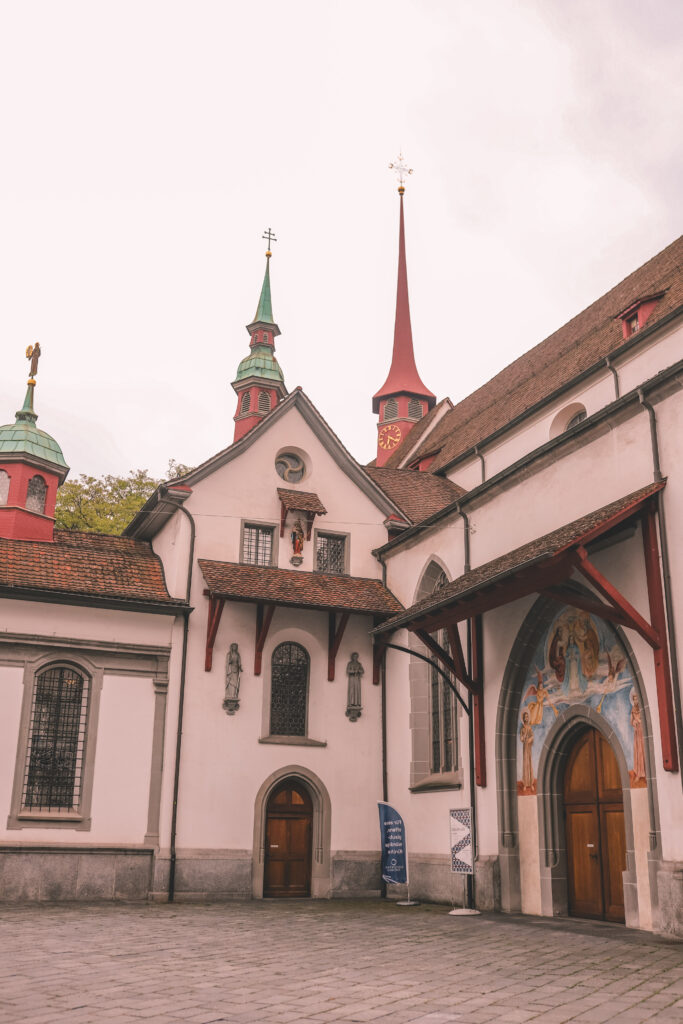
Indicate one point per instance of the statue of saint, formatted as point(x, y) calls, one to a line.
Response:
point(33, 353)
point(297, 538)
point(233, 668)
point(354, 672)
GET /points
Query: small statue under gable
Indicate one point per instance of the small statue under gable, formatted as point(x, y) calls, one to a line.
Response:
point(233, 669)
point(297, 536)
point(354, 672)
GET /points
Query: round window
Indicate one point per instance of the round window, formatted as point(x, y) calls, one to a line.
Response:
point(290, 467)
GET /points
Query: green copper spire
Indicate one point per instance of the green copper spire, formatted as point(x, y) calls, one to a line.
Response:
point(264, 310)
point(23, 437)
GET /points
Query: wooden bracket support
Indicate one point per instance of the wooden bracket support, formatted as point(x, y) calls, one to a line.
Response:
point(215, 611)
point(264, 617)
point(335, 635)
point(632, 617)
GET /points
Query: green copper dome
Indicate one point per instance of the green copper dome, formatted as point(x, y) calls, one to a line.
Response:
point(24, 438)
point(260, 362)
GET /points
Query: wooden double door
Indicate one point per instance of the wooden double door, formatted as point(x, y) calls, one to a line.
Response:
point(289, 829)
point(594, 829)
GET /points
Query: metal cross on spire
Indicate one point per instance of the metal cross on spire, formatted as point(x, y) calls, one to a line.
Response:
point(268, 234)
point(401, 168)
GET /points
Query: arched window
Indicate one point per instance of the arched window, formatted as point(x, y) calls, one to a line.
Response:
point(415, 409)
point(56, 740)
point(578, 418)
point(263, 401)
point(4, 487)
point(36, 494)
point(442, 708)
point(391, 409)
point(289, 690)
point(246, 401)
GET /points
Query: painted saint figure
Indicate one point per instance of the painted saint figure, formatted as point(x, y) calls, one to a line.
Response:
point(354, 672)
point(526, 736)
point(233, 669)
point(639, 771)
point(297, 538)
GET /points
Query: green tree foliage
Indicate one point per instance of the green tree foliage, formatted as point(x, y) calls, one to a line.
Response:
point(107, 504)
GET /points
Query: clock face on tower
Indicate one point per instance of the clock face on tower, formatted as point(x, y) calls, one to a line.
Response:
point(389, 436)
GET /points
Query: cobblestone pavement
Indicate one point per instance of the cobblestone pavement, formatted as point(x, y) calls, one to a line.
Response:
point(340, 962)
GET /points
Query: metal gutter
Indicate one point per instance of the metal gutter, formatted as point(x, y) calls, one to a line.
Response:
point(632, 342)
point(92, 601)
point(538, 453)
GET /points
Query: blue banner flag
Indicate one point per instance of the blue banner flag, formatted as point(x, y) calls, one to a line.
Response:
point(394, 853)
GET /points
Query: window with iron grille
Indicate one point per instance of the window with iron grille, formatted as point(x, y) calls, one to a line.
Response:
point(415, 409)
point(263, 401)
point(257, 545)
point(36, 493)
point(56, 741)
point(289, 690)
point(330, 553)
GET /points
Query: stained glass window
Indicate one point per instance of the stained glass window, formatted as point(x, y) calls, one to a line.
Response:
point(289, 690)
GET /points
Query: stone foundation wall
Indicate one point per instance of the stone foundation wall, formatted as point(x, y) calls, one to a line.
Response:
point(35, 873)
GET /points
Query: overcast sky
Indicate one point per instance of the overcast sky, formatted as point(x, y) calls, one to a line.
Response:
point(145, 146)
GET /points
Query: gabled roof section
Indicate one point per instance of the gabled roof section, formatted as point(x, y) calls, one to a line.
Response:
point(298, 589)
point(484, 587)
point(86, 565)
point(419, 494)
point(573, 349)
point(162, 504)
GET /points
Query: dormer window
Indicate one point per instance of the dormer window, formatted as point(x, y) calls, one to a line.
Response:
point(634, 317)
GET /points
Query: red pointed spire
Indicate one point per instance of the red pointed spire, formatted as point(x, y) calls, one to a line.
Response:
point(403, 399)
point(403, 377)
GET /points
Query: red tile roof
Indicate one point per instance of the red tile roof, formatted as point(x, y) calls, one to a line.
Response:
point(85, 564)
point(298, 589)
point(418, 494)
point(301, 501)
point(581, 530)
point(589, 337)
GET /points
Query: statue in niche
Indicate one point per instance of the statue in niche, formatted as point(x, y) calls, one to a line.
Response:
point(297, 535)
point(233, 669)
point(354, 672)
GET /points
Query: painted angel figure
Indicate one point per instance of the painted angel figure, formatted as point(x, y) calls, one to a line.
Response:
point(537, 706)
point(33, 353)
point(614, 670)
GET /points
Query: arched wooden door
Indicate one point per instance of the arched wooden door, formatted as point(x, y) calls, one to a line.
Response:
point(594, 829)
point(289, 829)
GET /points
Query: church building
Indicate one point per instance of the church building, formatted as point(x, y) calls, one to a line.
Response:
point(483, 622)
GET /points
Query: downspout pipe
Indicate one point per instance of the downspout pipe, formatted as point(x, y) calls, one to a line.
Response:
point(666, 576)
point(181, 707)
point(483, 464)
point(466, 521)
point(612, 369)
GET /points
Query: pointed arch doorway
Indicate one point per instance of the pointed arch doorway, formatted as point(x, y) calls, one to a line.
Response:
point(289, 832)
point(594, 829)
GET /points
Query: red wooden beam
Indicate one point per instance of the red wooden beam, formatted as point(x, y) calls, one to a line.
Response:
point(310, 518)
point(378, 652)
point(334, 639)
point(563, 595)
point(661, 653)
point(455, 644)
point(215, 611)
point(634, 619)
point(478, 702)
point(283, 518)
point(264, 617)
